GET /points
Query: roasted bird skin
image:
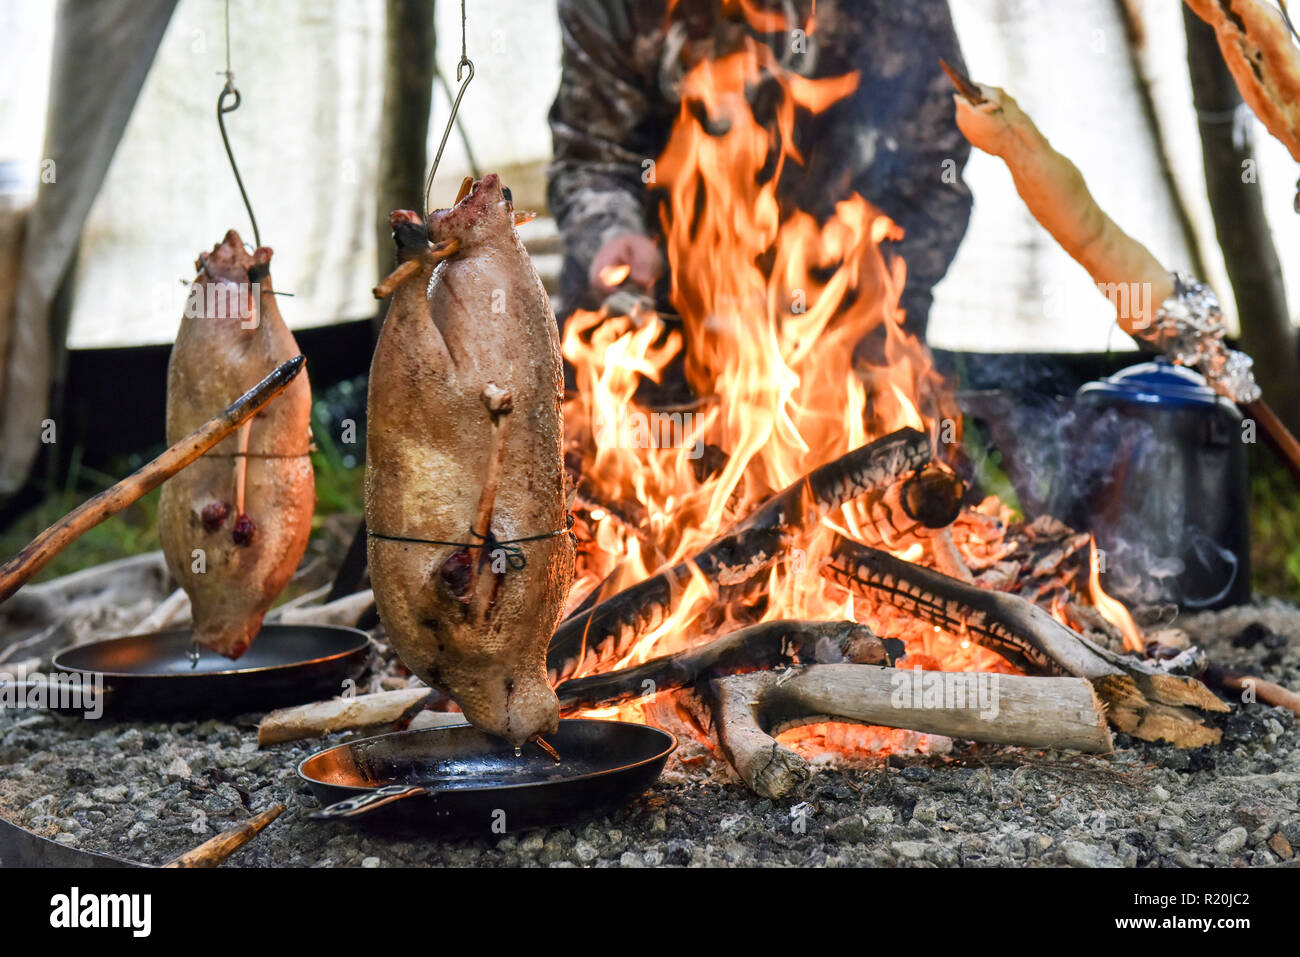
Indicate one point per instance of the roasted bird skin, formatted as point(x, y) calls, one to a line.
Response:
point(234, 524)
point(465, 391)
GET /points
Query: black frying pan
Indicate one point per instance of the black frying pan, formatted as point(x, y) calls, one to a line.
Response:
point(458, 779)
point(287, 664)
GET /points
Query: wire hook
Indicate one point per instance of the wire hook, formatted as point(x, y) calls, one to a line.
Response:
point(464, 63)
point(222, 109)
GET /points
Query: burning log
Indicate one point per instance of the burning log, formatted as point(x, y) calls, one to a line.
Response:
point(739, 554)
point(212, 853)
point(1143, 701)
point(764, 645)
point(750, 710)
point(389, 710)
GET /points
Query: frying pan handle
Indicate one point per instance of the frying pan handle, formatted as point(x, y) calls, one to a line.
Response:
point(357, 806)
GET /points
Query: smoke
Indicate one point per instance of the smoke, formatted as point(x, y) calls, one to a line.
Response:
point(1157, 495)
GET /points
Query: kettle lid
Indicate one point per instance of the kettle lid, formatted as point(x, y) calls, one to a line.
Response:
point(1159, 382)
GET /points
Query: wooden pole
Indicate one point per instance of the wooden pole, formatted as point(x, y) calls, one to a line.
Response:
point(212, 853)
point(112, 500)
point(409, 47)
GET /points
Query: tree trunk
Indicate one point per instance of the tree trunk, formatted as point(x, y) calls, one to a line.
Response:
point(1267, 334)
point(404, 126)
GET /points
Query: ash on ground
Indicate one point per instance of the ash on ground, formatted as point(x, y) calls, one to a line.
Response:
point(149, 791)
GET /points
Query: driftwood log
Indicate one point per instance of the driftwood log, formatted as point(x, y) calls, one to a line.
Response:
point(385, 710)
point(736, 557)
point(1142, 700)
point(346, 611)
point(765, 645)
point(750, 710)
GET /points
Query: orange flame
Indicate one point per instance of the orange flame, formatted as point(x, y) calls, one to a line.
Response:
point(772, 303)
point(1110, 608)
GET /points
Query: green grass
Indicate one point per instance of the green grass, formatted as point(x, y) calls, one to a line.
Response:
point(1274, 527)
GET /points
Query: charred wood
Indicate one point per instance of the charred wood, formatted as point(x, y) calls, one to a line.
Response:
point(746, 549)
point(764, 645)
point(1143, 700)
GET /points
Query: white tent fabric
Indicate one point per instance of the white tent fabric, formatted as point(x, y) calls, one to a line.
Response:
point(101, 55)
point(1068, 66)
point(306, 139)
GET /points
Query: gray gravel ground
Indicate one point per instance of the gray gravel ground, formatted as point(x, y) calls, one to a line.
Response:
point(148, 791)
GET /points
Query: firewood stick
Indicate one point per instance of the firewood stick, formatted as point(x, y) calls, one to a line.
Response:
point(342, 611)
point(112, 500)
point(1268, 692)
point(174, 607)
point(212, 853)
point(386, 708)
point(750, 710)
point(499, 405)
point(764, 645)
point(388, 285)
point(745, 549)
point(1142, 700)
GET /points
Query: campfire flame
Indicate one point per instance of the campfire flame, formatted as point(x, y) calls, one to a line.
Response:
point(1111, 608)
point(772, 302)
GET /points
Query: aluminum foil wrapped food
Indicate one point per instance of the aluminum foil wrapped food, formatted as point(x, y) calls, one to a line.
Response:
point(1188, 328)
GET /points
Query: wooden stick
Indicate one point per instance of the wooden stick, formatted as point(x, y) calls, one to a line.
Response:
point(345, 611)
point(750, 710)
point(1265, 691)
point(388, 285)
point(499, 405)
point(465, 186)
point(212, 853)
point(764, 645)
point(135, 486)
point(963, 83)
point(386, 708)
point(173, 608)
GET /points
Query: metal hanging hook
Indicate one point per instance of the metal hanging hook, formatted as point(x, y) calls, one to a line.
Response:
point(464, 80)
point(222, 109)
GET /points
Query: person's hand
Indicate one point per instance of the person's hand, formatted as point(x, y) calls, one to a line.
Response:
point(637, 253)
